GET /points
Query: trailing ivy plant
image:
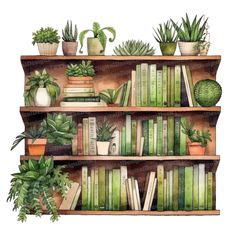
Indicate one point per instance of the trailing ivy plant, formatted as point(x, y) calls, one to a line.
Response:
point(46, 35)
point(33, 186)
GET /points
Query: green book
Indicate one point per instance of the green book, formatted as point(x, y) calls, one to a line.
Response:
point(165, 195)
point(170, 135)
point(89, 194)
point(150, 137)
point(101, 188)
point(181, 187)
point(168, 86)
point(177, 86)
point(107, 190)
point(168, 190)
point(188, 184)
point(159, 135)
point(209, 191)
point(152, 85)
point(190, 81)
point(115, 189)
point(201, 187)
point(123, 193)
point(96, 193)
point(171, 190)
point(164, 85)
point(159, 89)
point(206, 182)
point(123, 140)
point(124, 88)
point(176, 189)
point(165, 136)
point(133, 136)
point(145, 135)
point(138, 85)
point(160, 187)
point(177, 136)
point(127, 94)
point(82, 99)
point(110, 189)
point(128, 136)
point(155, 138)
point(84, 187)
point(172, 86)
point(195, 187)
point(144, 84)
point(183, 139)
point(92, 189)
point(85, 136)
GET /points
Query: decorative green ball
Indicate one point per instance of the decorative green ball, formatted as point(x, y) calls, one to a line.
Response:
point(207, 92)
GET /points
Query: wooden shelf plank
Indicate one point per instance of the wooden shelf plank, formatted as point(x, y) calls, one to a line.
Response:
point(127, 158)
point(123, 58)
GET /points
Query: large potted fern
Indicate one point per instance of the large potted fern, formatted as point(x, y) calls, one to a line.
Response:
point(37, 186)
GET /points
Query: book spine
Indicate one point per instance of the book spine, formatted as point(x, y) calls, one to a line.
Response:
point(145, 135)
point(168, 190)
point(75, 145)
point(85, 136)
point(170, 135)
point(139, 135)
point(128, 136)
point(92, 189)
point(78, 94)
point(141, 146)
point(177, 136)
point(133, 88)
point(78, 90)
point(190, 80)
point(133, 136)
point(101, 188)
point(155, 138)
point(172, 86)
point(107, 190)
point(177, 86)
point(123, 193)
point(165, 195)
point(84, 187)
point(137, 194)
point(188, 197)
point(138, 85)
point(110, 190)
point(176, 189)
point(80, 139)
point(152, 194)
point(144, 84)
point(115, 189)
point(201, 186)
point(159, 135)
point(124, 88)
point(82, 99)
point(115, 144)
point(96, 194)
point(152, 85)
point(209, 190)
point(171, 190)
point(164, 85)
point(195, 187)
point(92, 136)
point(205, 195)
point(181, 187)
point(164, 138)
point(89, 194)
point(168, 86)
point(150, 137)
point(123, 141)
point(160, 187)
point(187, 86)
point(183, 139)
point(159, 89)
point(127, 94)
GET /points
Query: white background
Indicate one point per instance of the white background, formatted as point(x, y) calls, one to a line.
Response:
point(132, 20)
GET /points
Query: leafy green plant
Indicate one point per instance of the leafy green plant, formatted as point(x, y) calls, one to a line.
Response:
point(194, 135)
point(110, 96)
point(33, 133)
point(85, 68)
point(105, 131)
point(41, 80)
point(46, 35)
point(134, 48)
point(68, 35)
point(98, 32)
point(165, 33)
point(191, 32)
point(33, 186)
point(59, 128)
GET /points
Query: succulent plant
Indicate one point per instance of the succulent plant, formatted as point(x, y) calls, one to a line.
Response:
point(134, 48)
point(85, 68)
point(110, 96)
point(67, 33)
point(46, 35)
point(105, 131)
point(60, 128)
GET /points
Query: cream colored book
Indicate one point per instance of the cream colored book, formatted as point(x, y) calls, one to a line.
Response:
point(187, 86)
point(92, 136)
point(131, 193)
point(75, 146)
point(141, 146)
point(133, 86)
point(137, 194)
point(152, 194)
point(135, 197)
point(75, 201)
point(149, 191)
point(128, 194)
point(83, 104)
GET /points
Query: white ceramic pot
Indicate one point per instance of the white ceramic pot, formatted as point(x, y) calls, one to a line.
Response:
point(102, 148)
point(42, 98)
point(47, 49)
point(188, 48)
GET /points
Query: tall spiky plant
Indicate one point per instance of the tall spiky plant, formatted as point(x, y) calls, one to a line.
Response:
point(67, 34)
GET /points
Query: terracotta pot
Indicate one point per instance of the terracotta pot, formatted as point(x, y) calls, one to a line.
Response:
point(42, 98)
point(36, 148)
point(69, 48)
point(94, 47)
point(102, 148)
point(168, 49)
point(196, 149)
point(57, 198)
point(47, 49)
point(78, 78)
point(188, 48)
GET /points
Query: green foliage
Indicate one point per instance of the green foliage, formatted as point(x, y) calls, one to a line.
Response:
point(33, 133)
point(41, 80)
point(59, 128)
point(46, 35)
point(165, 33)
point(68, 35)
point(37, 180)
point(110, 96)
point(191, 32)
point(85, 68)
point(194, 135)
point(98, 32)
point(134, 48)
point(105, 131)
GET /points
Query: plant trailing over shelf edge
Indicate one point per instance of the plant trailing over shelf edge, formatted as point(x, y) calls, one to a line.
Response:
point(85, 68)
point(46, 35)
point(68, 35)
point(105, 131)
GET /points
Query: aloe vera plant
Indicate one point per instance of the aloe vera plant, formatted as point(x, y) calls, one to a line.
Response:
point(105, 131)
point(110, 96)
point(67, 33)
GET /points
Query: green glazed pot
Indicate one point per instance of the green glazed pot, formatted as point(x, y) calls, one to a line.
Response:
point(94, 47)
point(168, 49)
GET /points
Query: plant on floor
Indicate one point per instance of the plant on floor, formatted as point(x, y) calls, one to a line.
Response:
point(43, 89)
point(59, 128)
point(134, 48)
point(110, 96)
point(33, 186)
point(84, 69)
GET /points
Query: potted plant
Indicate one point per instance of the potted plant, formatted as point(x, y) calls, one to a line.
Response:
point(190, 34)
point(34, 187)
point(60, 129)
point(35, 140)
point(198, 139)
point(69, 43)
point(96, 45)
point(110, 96)
point(134, 48)
point(42, 91)
point(204, 45)
point(47, 40)
point(167, 38)
point(104, 136)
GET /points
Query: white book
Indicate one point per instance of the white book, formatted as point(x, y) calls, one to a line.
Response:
point(83, 104)
point(75, 201)
point(141, 146)
point(152, 195)
point(137, 194)
point(114, 148)
point(165, 149)
point(79, 90)
point(201, 188)
point(92, 135)
point(139, 135)
point(110, 189)
point(195, 187)
point(133, 86)
point(131, 193)
point(135, 197)
point(149, 191)
point(123, 193)
point(155, 138)
point(128, 194)
point(186, 82)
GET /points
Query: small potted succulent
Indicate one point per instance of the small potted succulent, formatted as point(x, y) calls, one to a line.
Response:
point(42, 91)
point(69, 43)
point(104, 136)
point(35, 140)
point(37, 186)
point(47, 40)
point(198, 140)
point(190, 34)
point(134, 48)
point(60, 130)
point(166, 36)
point(96, 45)
point(109, 96)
